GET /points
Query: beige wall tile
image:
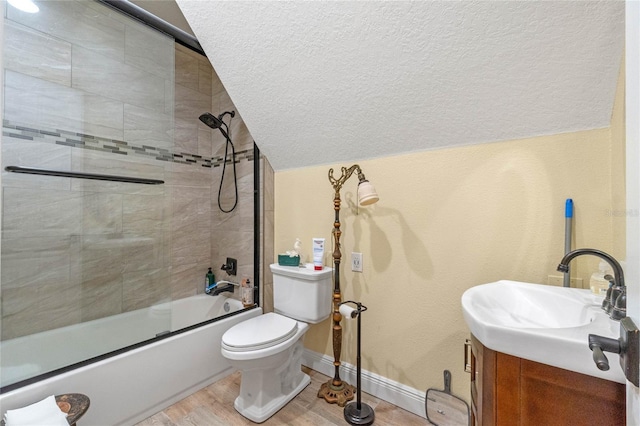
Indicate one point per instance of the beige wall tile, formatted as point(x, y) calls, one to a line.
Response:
point(151, 127)
point(205, 76)
point(205, 143)
point(145, 288)
point(143, 213)
point(30, 100)
point(178, 174)
point(105, 76)
point(101, 213)
point(99, 267)
point(32, 261)
point(187, 68)
point(36, 54)
point(58, 304)
point(191, 245)
point(77, 23)
point(40, 213)
point(19, 152)
point(89, 161)
point(187, 279)
point(143, 251)
point(190, 104)
point(20, 314)
point(149, 50)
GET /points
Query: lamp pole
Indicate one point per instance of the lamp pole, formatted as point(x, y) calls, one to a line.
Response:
point(336, 390)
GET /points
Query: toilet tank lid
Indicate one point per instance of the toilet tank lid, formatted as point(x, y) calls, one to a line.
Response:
point(306, 273)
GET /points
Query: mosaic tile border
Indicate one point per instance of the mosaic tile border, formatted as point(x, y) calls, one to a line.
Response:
point(85, 141)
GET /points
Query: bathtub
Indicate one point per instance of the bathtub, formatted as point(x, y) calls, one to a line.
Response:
point(131, 386)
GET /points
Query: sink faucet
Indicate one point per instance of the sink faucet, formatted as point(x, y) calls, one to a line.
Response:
point(615, 302)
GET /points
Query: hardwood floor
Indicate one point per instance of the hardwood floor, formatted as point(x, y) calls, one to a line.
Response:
point(213, 406)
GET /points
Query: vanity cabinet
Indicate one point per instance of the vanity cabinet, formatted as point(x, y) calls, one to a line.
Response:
point(507, 390)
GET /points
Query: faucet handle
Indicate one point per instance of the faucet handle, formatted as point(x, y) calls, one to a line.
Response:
point(600, 358)
point(598, 345)
point(607, 305)
point(619, 309)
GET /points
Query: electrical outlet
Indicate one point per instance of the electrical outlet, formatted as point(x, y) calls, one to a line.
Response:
point(558, 280)
point(356, 262)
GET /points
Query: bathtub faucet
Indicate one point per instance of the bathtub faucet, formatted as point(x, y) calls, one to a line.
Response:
point(208, 288)
point(230, 287)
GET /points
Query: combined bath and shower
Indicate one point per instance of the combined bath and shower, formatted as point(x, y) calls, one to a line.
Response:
point(218, 123)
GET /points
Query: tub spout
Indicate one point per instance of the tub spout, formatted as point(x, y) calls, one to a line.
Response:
point(216, 291)
point(229, 287)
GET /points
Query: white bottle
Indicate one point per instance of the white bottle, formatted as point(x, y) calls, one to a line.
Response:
point(598, 283)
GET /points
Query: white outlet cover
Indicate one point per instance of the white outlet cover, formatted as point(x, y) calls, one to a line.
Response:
point(356, 262)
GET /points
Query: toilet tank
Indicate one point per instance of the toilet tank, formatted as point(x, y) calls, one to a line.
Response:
point(302, 293)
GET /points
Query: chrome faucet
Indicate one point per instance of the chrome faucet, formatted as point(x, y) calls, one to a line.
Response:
point(615, 302)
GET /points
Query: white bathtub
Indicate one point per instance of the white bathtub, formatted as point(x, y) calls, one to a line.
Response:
point(131, 386)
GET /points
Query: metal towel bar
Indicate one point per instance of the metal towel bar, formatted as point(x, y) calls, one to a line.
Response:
point(81, 175)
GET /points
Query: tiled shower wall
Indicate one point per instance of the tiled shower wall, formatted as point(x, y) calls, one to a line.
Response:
point(87, 89)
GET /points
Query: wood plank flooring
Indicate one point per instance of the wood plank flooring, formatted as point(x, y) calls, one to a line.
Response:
point(213, 406)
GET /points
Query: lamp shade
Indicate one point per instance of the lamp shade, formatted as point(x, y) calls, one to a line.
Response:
point(367, 193)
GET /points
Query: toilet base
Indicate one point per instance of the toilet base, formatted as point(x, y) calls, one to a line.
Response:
point(259, 414)
point(268, 384)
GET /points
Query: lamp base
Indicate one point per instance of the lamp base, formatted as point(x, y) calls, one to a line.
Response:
point(363, 416)
point(336, 394)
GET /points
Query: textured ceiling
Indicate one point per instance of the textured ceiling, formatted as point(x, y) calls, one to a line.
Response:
point(337, 82)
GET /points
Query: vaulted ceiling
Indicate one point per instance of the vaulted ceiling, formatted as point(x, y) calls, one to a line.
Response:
point(335, 82)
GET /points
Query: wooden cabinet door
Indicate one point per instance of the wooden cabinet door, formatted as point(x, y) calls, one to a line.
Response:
point(511, 391)
point(552, 395)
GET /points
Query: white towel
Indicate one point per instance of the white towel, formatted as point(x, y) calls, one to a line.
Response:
point(43, 413)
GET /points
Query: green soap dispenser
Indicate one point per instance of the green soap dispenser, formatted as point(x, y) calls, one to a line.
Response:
point(209, 281)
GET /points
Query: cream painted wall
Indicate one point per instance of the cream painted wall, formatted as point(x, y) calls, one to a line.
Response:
point(448, 220)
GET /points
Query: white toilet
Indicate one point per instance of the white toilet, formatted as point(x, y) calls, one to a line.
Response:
point(268, 349)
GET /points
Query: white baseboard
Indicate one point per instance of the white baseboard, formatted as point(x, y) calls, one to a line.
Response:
point(403, 396)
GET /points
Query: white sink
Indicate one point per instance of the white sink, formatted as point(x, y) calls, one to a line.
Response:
point(541, 323)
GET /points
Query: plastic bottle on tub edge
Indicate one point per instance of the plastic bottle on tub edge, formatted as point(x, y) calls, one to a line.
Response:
point(247, 292)
point(598, 283)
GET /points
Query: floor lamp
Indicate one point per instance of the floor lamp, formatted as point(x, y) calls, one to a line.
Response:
point(335, 390)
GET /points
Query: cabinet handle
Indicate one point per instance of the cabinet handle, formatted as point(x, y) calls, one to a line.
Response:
point(467, 349)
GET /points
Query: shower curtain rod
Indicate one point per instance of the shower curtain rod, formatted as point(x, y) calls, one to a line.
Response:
point(82, 175)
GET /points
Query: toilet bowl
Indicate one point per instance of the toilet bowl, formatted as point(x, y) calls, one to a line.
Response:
point(268, 349)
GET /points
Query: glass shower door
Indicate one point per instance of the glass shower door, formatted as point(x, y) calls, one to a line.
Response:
point(85, 263)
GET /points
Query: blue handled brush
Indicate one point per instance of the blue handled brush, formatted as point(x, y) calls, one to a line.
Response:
point(568, 218)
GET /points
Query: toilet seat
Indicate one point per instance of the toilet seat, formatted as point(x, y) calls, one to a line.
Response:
point(260, 332)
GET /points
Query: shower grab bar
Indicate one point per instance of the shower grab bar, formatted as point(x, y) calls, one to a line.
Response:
point(82, 175)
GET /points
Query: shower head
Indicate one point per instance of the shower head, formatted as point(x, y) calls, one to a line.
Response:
point(216, 122)
point(213, 121)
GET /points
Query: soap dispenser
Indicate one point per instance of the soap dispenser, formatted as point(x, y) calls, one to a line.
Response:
point(209, 281)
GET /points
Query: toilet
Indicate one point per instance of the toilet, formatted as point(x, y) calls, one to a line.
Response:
point(268, 349)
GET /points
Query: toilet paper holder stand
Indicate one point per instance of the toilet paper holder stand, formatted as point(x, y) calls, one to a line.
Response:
point(356, 412)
